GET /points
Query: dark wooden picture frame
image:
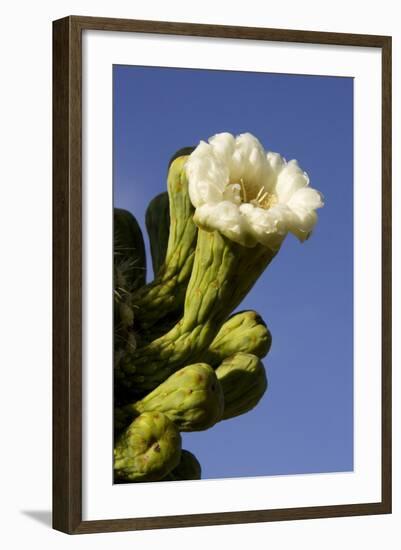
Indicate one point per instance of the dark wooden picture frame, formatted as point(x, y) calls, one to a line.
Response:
point(67, 278)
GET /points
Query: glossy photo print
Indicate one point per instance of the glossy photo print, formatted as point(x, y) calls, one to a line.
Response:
point(233, 274)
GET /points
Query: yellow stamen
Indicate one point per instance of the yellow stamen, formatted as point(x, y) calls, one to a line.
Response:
point(264, 199)
point(241, 181)
point(260, 192)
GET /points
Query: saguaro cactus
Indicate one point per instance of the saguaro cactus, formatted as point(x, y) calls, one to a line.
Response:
point(183, 360)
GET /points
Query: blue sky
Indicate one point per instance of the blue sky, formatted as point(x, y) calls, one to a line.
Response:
point(304, 423)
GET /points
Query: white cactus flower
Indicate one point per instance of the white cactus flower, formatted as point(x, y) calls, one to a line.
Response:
point(251, 196)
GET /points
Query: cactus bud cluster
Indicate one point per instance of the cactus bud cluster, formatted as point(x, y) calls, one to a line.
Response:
point(183, 360)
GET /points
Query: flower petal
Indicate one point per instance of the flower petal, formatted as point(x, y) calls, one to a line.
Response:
point(207, 177)
point(249, 195)
point(306, 198)
point(224, 217)
point(249, 162)
point(264, 225)
point(303, 224)
point(276, 161)
point(223, 146)
point(289, 180)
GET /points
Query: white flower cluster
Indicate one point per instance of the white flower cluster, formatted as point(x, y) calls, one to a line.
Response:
point(251, 196)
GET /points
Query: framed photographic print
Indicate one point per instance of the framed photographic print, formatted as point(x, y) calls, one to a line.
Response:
point(222, 274)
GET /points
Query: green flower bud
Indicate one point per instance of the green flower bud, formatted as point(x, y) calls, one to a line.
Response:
point(243, 380)
point(188, 468)
point(191, 397)
point(243, 332)
point(148, 449)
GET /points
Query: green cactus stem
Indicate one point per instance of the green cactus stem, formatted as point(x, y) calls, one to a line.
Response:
point(157, 221)
point(188, 468)
point(165, 295)
point(242, 332)
point(129, 251)
point(223, 273)
point(148, 449)
point(243, 380)
point(129, 271)
point(191, 397)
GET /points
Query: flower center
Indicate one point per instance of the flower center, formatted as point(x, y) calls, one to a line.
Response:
point(263, 199)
